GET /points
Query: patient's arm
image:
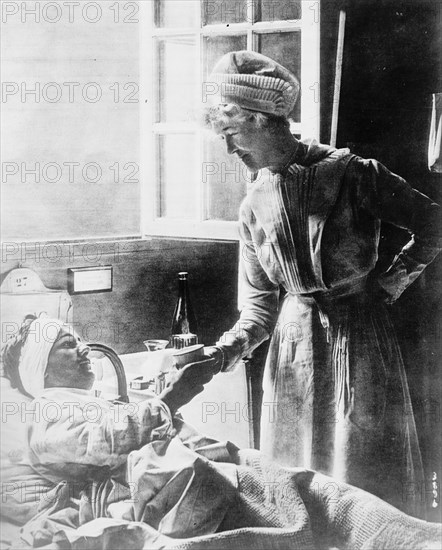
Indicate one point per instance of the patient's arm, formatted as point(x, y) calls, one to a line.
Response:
point(90, 431)
point(84, 430)
point(350, 518)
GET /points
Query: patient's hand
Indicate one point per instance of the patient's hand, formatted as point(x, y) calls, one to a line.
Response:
point(215, 352)
point(188, 382)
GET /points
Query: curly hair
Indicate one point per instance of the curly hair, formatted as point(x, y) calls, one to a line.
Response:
point(11, 352)
point(224, 113)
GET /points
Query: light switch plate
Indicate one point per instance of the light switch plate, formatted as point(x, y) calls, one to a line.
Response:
point(87, 280)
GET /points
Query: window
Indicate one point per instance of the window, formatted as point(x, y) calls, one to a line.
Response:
point(194, 188)
point(74, 166)
point(70, 121)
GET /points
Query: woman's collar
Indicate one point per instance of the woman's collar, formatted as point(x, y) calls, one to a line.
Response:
point(297, 155)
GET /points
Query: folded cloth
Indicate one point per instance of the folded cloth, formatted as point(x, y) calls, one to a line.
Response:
point(177, 491)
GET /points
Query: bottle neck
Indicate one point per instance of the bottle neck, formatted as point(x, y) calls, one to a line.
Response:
point(183, 288)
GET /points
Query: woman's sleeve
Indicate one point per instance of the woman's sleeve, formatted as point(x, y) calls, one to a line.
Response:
point(391, 199)
point(258, 299)
point(96, 433)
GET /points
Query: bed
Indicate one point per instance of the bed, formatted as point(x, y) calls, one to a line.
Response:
point(286, 508)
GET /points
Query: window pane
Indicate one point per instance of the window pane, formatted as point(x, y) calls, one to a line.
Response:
point(285, 48)
point(223, 175)
point(277, 10)
point(225, 178)
point(224, 11)
point(215, 47)
point(175, 13)
point(177, 76)
point(178, 179)
point(51, 211)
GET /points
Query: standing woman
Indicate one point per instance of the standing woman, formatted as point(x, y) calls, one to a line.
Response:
point(336, 397)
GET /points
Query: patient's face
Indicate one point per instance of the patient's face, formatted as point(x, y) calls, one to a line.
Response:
point(68, 363)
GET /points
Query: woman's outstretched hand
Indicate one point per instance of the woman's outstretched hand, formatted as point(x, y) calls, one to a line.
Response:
point(188, 382)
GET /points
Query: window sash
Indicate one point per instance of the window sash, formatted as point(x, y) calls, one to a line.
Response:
point(150, 129)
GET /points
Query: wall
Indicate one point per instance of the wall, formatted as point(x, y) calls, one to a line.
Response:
point(142, 302)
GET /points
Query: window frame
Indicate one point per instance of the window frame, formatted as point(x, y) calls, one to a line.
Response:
point(309, 26)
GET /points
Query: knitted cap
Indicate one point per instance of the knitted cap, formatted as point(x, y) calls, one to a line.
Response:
point(253, 81)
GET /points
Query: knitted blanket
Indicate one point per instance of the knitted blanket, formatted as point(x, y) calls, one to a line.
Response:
point(275, 509)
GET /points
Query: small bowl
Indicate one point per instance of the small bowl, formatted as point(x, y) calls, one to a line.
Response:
point(155, 345)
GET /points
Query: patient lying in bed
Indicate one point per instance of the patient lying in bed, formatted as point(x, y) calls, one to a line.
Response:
point(97, 474)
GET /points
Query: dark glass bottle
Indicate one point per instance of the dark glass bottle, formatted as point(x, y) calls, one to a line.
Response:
point(184, 327)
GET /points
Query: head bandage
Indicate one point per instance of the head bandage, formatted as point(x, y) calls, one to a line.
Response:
point(43, 332)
